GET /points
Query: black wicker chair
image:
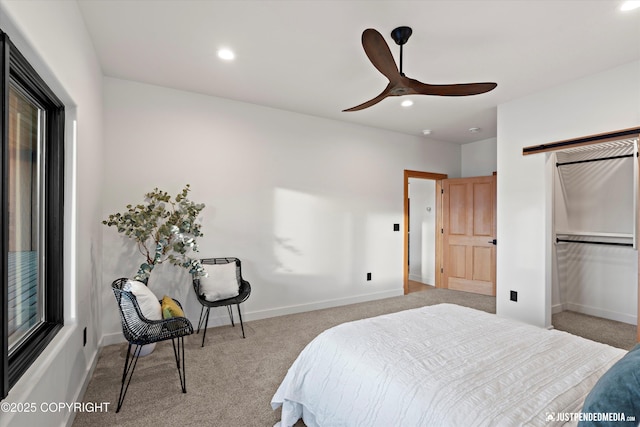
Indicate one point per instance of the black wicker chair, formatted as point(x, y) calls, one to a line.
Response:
point(139, 331)
point(244, 292)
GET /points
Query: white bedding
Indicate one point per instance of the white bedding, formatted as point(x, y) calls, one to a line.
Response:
point(441, 365)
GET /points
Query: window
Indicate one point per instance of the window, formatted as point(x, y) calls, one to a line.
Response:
point(32, 166)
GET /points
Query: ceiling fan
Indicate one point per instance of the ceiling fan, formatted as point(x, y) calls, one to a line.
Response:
point(380, 56)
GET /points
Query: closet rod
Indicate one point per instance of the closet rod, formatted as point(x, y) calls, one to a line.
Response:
point(585, 140)
point(594, 160)
point(594, 242)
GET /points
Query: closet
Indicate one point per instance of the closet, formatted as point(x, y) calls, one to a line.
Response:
point(595, 229)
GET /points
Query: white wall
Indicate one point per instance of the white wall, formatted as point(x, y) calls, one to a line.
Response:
point(479, 158)
point(599, 103)
point(307, 204)
point(422, 240)
point(52, 35)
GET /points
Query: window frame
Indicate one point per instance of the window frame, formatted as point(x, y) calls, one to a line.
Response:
point(14, 67)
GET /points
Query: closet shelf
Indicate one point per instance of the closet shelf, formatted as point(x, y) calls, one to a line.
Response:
point(594, 234)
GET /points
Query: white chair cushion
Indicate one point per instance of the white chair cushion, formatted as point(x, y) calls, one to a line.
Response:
point(221, 281)
point(149, 304)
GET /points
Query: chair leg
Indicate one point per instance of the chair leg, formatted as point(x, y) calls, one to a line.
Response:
point(177, 352)
point(204, 335)
point(230, 310)
point(184, 370)
point(240, 316)
point(200, 320)
point(129, 367)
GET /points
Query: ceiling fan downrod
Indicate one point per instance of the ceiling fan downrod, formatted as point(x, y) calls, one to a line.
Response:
point(401, 35)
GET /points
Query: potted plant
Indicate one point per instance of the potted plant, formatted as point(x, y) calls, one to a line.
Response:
point(163, 229)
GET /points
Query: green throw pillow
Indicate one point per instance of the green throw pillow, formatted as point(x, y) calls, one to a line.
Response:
point(170, 308)
point(616, 392)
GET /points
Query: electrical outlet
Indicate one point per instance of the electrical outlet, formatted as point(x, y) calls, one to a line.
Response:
point(514, 296)
point(368, 276)
point(396, 227)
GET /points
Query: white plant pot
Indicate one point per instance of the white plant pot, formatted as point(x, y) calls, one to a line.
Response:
point(146, 349)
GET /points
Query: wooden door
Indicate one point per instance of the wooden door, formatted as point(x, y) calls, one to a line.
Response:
point(469, 230)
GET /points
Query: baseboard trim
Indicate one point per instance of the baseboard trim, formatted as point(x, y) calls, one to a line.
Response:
point(83, 387)
point(558, 308)
point(421, 279)
point(319, 305)
point(599, 312)
point(223, 317)
point(113, 338)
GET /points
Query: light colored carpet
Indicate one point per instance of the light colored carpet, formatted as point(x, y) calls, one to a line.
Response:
point(231, 380)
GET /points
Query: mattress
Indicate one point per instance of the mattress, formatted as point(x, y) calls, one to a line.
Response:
point(443, 365)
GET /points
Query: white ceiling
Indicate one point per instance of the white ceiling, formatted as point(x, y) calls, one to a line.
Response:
point(306, 56)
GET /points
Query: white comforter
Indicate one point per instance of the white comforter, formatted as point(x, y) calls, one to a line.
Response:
point(441, 365)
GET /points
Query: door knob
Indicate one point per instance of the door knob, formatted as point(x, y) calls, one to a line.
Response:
point(493, 242)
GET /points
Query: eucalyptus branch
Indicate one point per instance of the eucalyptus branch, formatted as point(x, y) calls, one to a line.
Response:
point(164, 230)
point(144, 252)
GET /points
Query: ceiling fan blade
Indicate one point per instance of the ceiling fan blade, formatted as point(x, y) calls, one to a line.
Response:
point(379, 54)
point(383, 95)
point(463, 89)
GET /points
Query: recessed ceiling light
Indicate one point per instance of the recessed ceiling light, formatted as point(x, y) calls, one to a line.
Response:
point(226, 54)
point(474, 130)
point(629, 5)
point(426, 132)
point(407, 103)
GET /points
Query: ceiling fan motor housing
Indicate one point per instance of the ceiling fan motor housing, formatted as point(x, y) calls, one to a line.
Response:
point(401, 35)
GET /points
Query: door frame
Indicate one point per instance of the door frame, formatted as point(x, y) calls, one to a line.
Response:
point(437, 177)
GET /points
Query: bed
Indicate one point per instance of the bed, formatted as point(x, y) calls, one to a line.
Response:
point(441, 365)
